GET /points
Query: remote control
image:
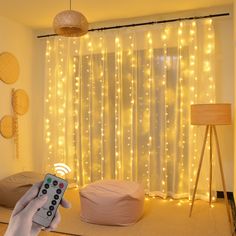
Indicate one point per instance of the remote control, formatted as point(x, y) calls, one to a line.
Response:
point(54, 187)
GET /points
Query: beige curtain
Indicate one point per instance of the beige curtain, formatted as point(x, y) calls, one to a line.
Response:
point(117, 105)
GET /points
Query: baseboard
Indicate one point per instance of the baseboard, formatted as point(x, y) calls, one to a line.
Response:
point(230, 195)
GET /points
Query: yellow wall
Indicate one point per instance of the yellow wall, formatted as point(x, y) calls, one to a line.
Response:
point(225, 93)
point(17, 39)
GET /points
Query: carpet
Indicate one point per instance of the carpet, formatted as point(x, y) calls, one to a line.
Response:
point(161, 218)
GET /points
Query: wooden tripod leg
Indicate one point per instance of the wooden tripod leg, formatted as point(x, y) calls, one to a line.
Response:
point(199, 169)
point(210, 179)
point(222, 176)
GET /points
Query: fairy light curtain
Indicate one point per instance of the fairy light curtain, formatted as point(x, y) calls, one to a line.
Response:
point(117, 105)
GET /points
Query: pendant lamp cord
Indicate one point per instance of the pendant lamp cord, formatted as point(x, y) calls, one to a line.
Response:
point(70, 5)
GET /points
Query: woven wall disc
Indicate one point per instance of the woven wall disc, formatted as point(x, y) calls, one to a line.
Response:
point(9, 68)
point(20, 101)
point(7, 126)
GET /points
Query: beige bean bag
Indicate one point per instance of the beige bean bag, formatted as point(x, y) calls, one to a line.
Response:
point(14, 187)
point(112, 202)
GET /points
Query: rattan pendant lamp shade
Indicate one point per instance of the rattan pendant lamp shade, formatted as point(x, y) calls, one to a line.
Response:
point(70, 23)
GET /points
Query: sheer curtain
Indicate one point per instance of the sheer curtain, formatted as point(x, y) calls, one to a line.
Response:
point(117, 105)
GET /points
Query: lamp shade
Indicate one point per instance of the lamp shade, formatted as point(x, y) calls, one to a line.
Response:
point(70, 23)
point(211, 114)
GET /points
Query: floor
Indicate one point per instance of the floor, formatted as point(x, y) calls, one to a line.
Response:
point(3, 228)
point(161, 218)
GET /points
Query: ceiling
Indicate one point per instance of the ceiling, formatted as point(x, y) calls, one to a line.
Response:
point(38, 14)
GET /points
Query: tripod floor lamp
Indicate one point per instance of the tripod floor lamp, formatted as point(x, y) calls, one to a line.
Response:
point(211, 115)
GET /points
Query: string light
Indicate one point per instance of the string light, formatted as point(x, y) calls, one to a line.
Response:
point(90, 100)
point(61, 103)
point(102, 112)
point(182, 121)
point(209, 50)
point(165, 35)
point(209, 60)
point(47, 121)
point(118, 75)
point(136, 117)
point(76, 65)
point(149, 107)
point(193, 99)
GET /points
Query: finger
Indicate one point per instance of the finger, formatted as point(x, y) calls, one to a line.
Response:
point(34, 205)
point(36, 229)
point(55, 222)
point(27, 197)
point(65, 203)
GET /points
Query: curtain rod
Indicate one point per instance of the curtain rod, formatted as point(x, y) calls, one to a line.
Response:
point(147, 23)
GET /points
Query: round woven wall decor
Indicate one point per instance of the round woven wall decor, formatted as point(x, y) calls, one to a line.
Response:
point(9, 68)
point(70, 23)
point(20, 101)
point(7, 126)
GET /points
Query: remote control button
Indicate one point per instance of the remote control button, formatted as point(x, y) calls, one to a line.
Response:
point(49, 213)
point(49, 180)
point(46, 186)
point(54, 202)
point(51, 208)
point(55, 183)
point(44, 191)
point(61, 185)
point(56, 197)
point(58, 191)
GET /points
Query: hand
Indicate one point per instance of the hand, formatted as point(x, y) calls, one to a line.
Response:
point(21, 222)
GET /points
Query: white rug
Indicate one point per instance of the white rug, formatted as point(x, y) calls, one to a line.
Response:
point(161, 218)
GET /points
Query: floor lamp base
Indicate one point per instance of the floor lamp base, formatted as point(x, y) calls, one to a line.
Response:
point(212, 130)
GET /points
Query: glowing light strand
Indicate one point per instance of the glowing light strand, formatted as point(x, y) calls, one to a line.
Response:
point(77, 111)
point(48, 111)
point(60, 102)
point(181, 104)
point(164, 84)
point(102, 112)
point(208, 69)
point(149, 108)
point(130, 142)
point(90, 102)
point(193, 77)
point(118, 69)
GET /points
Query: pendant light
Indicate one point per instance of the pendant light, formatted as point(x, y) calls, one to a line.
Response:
point(70, 23)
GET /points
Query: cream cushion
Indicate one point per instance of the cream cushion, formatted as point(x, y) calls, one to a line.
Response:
point(14, 187)
point(112, 202)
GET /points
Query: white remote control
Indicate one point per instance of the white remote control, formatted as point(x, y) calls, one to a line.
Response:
point(54, 187)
